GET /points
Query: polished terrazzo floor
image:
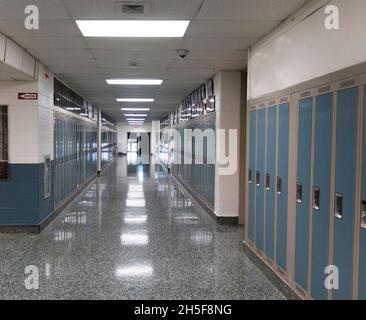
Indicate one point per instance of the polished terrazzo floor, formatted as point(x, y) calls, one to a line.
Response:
point(132, 235)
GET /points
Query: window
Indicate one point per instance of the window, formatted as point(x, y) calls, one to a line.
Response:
point(3, 142)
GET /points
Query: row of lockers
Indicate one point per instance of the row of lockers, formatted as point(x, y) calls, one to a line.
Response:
point(199, 173)
point(306, 198)
point(75, 154)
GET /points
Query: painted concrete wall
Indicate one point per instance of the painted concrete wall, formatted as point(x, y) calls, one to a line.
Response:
point(308, 50)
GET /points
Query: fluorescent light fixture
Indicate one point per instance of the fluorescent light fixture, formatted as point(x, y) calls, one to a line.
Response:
point(133, 28)
point(137, 82)
point(136, 115)
point(134, 100)
point(135, 119)
point(135, 109)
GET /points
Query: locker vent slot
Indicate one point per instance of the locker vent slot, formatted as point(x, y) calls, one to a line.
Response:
point(363, 214)
point(279, 185)
point(250, 178)
point(257, 178)
point(272, 103)
point(306, 94)
point(347, 83)
point(268, 181)
point(324, 89)
point(338, 205)
point(284, 100)
point(299, 192)
point(261, 105)
point(316, 198)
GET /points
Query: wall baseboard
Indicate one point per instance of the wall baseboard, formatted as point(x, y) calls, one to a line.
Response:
point(280, 283)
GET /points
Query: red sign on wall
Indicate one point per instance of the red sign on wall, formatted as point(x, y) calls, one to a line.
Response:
point(27, 96)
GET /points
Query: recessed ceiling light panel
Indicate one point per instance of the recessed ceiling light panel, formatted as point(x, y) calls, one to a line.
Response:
point(133, 28)
point(134, 100)
point(136, 82)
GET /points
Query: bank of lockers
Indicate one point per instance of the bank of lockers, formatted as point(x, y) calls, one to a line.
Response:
point(200, 174)
point(75, 154)
point(327, 210)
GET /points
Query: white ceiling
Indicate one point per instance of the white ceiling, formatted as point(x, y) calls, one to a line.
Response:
point(219, 35)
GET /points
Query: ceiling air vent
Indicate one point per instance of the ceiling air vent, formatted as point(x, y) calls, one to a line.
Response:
point(135, 9)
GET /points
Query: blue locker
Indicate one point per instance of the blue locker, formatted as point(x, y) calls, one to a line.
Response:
point(303, 191)
point(362, 217)
point(321, 193)
point(345, 190)
point(270, 180)
point(260, 184)
point(251, 173)
point(281, 185)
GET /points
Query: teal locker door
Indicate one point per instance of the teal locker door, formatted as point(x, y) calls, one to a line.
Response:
point(321, 193)
point(362, 217)
point(281, 185)
point(303, 191)
point(270, 180)
point(345, 190)
point(260, 173)
point(251, 173)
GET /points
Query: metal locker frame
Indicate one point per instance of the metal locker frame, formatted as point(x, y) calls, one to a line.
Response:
point(297, 98)
point(338, 221)
point(272, 182)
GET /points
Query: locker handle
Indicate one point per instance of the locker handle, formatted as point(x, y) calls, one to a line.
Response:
point(268, 181)
point(299, 192)
point(316, 198)
point(338, 205)
point(279, 185)
point(363, 214)
point(250, 178)
point(257, 178)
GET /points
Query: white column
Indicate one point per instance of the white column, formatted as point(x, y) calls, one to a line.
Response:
point(228, 103)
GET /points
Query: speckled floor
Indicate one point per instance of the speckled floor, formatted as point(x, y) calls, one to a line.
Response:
point(132, 235)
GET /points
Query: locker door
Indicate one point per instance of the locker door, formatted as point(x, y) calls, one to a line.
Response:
point(362, 214)
point(260, 183)
point(270, 180)
point(303, 191)
point(320, 193)
point(281, 183)
point(252, 168)
point(345, 190)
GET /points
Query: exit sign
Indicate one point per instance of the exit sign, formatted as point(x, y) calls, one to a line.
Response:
point(27, 96)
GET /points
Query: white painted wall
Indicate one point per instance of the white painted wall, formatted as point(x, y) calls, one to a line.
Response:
point(308, 50)
point(228, 104)
point(123, 129)
point(23, 121)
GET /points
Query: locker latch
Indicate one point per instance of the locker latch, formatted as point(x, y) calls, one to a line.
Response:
point(257, 178)
point(250, 178)
point(268, 181)
point(338, 205)
point(316, 198)
point(279, 185)
point(363, 214)
point(299, 192)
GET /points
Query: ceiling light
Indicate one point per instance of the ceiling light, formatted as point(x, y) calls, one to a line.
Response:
point(134, 100)
point(135, 109)
point(133, 28)
point(135, 115)
point(135, 119)
point(137, 82)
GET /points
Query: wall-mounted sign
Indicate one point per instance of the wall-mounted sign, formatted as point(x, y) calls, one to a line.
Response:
point(27, 96)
